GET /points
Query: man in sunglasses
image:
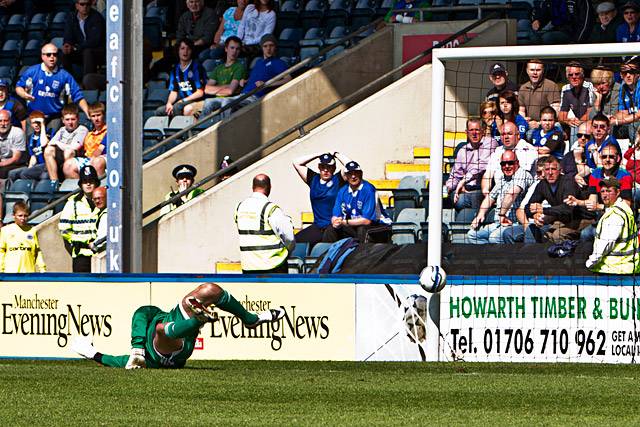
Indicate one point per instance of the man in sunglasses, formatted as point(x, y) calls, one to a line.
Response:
point(526, 153)
point(45, 87)
point(615, 249)
point(506, 195)
point(84, 36)
point(629, 98)
point(610, 158)
point(600, 139)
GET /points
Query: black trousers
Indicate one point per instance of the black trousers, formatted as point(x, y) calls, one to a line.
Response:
point(312, 234)
point(377, 233)
point(82, 264)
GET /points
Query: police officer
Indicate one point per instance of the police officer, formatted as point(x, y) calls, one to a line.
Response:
point(615, 249)
point(78, 221)
point(266, 233)
point(185, 176)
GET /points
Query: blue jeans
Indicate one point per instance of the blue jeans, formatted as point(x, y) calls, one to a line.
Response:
point(492, 233)
point(471, 199)
point(517, 234)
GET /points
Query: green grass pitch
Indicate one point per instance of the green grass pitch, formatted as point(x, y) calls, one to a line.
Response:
point(265, 393)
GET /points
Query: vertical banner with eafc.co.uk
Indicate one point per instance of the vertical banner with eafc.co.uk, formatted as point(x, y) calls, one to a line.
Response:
point(115, 133)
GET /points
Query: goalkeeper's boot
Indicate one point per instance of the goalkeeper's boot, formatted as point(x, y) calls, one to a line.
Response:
point(269, 316)
point(136, 359)
point(201, 311)
point(83, 346)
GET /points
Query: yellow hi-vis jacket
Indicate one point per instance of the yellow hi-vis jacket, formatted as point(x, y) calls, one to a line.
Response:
point(260, 247)
point(623, 257)
point(77, 225)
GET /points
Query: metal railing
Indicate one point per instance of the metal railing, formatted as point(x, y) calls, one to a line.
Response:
point(437, 9)
point(300, 126)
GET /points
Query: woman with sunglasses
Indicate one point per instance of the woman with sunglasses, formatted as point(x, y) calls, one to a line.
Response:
point(508, 111)
point(488, 115)
point(575, 162)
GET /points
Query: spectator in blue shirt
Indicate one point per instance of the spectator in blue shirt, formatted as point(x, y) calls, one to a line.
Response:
point(45, 86)
point(266, 68)
point(37, 168)
point(186, 81)
point(356, 211)
point(18, 111)
point(323, 190)
point(629, 30)
point(601, 138)
point(628, 113)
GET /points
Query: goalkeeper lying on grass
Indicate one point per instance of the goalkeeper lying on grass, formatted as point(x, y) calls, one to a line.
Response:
point(166, 340)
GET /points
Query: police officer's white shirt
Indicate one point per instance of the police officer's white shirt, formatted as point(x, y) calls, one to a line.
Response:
point(280, 223)
point(609, 234)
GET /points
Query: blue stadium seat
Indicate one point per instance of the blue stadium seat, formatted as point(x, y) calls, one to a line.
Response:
point(289, 15)
point(31, 52)
point(309, 51)
point(467, 15)
point(155, 98)
point(312, 14)
point(91, 96)
point(7, 72)
point(338, 14)
point(15, 27)
point(318, 250)
point(152, 27)
point(39, 22)
point(288, 41)
point(42, 191)
point(363, 13)
point(56, 27)
point(313, 37)
point(384, 8)
point(177, 124)
point(11, 51)
point(58, 42)
point(441, 16)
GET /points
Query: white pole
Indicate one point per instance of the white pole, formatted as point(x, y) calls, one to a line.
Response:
point(568, 52)
point(434, 245)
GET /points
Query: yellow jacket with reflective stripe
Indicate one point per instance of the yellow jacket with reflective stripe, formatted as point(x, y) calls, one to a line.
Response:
point(260, 247)
point(624, 257)
point(78, 225)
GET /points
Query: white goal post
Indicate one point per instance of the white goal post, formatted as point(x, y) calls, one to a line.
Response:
point(439, 57)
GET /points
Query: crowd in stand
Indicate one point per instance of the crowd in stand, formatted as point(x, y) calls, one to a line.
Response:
point(538, 175)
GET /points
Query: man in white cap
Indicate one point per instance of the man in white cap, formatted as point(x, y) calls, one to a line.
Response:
point(604, 31)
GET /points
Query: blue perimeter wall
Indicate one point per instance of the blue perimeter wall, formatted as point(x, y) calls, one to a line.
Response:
point(602, 280)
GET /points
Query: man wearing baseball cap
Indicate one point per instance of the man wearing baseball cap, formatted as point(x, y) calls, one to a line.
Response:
point(184, 175)
point(18, 111)
point(629, 30)
point(615, 249)
point(500, 78)
point(356, 211)
point(77, 223)
point(323, 190)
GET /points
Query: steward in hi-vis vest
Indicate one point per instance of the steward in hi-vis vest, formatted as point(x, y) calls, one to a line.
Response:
point(78, 221)
point(615, 249)
point(265, 232)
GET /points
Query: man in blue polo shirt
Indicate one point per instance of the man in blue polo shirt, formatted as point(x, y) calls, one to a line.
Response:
point(356, 211)
point(45, 86)
point(323, 190)
point(601, 138)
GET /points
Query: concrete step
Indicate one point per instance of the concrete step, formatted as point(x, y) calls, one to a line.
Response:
point(400, 170)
